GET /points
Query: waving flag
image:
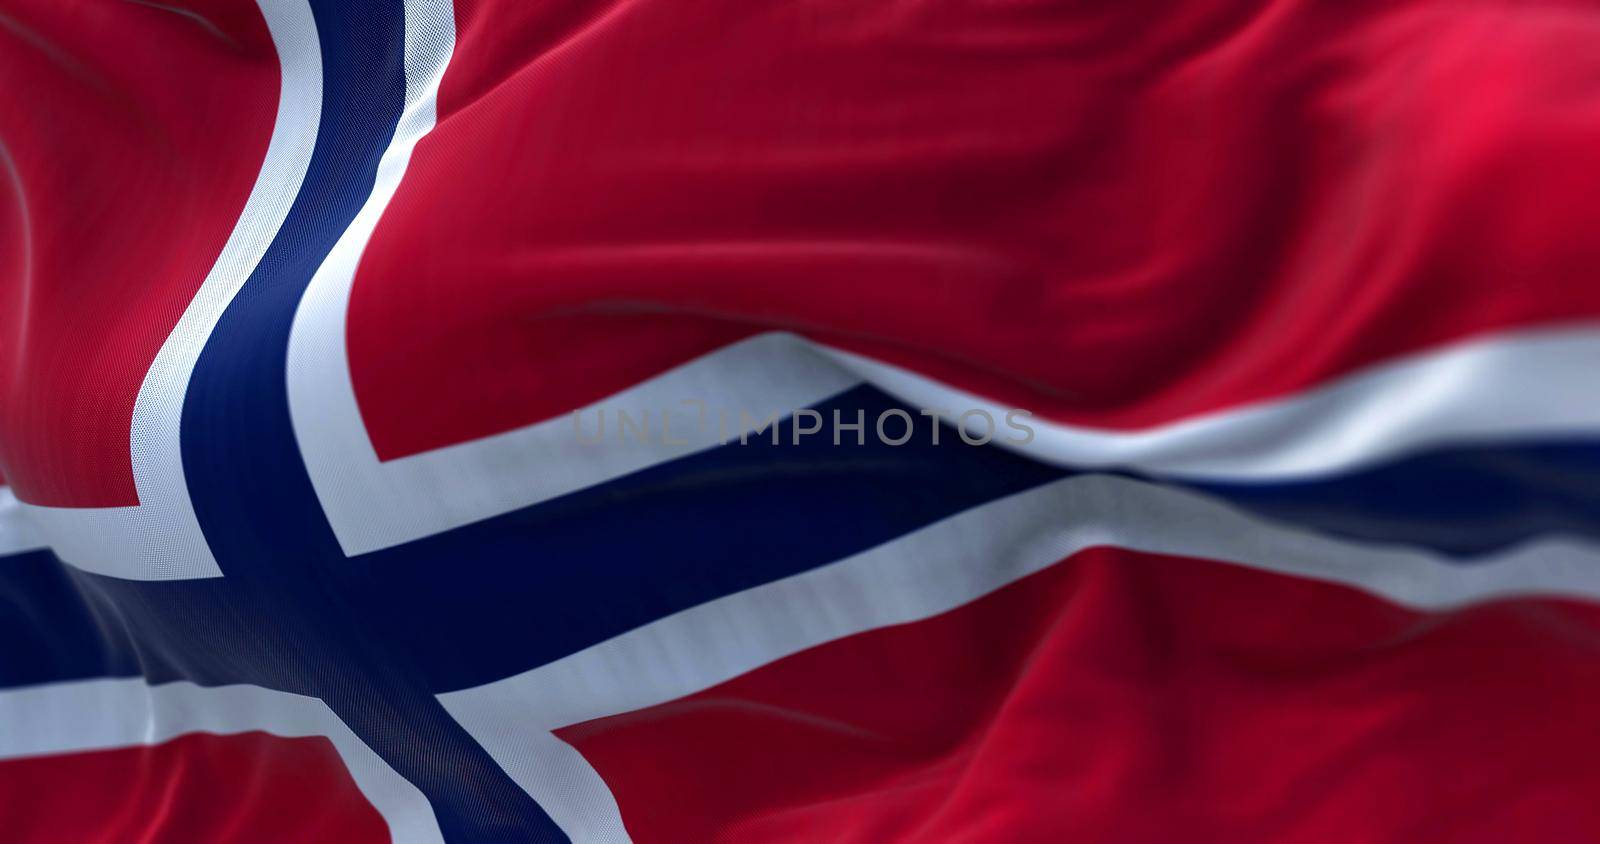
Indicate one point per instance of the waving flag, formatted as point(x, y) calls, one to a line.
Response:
point(799, 421)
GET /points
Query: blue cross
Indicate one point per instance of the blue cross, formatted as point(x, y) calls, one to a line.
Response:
point(378, 636)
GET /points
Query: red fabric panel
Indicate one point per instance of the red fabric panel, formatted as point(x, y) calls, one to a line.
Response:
point(129, 141)
point(237, 788)
point(1114, 213)
point(1126, 697)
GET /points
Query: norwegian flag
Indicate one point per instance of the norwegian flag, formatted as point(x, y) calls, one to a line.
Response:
point(1284, 525)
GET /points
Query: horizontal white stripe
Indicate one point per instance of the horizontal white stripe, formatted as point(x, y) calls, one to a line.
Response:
point(1531, 384)
point(933, 570)
point(16, 535)
point(127, 542)
point(160, 538)
point(374, 505)
point(106, 714)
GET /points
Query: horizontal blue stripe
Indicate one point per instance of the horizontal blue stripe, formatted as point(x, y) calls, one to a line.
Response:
point(540, 583)
point(50, 630)
point(1464, 502)
point(502, 596)
point(495, 598)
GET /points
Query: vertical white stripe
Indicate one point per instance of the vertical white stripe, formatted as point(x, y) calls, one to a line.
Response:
point(160, 538)
point(322, 404)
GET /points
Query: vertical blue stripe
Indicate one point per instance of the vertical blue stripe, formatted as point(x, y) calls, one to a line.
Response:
point(252, 495)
